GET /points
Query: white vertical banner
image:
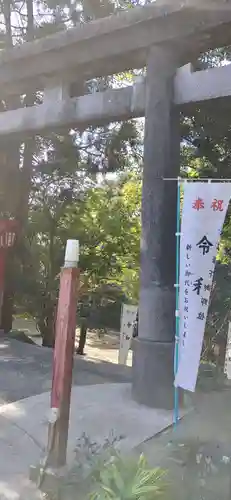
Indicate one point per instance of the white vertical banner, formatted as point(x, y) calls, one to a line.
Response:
point(128, 317)
point(204, 209)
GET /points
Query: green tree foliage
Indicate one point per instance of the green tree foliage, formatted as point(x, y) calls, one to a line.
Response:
point(64, 161)
point(59, 183)
point(105, 219)
point(107, 224)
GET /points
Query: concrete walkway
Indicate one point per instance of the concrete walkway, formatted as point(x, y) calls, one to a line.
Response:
point(99, 409)
point(95, 410)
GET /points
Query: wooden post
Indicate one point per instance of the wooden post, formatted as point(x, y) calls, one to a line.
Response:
point(154, 346)
point(63, 357)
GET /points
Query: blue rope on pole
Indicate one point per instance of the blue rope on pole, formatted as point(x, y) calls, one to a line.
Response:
point(177, 316)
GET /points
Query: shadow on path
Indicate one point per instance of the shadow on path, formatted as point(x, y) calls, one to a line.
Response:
point(25, 370)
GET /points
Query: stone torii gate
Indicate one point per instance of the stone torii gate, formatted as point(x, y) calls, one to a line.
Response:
point(163, 37)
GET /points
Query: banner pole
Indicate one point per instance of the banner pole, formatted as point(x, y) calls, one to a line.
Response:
point(177, 315)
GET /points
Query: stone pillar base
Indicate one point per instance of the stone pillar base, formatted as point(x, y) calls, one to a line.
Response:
point(152, 380)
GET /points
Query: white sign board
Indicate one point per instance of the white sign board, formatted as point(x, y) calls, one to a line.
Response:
point(128, 317)
point(204, 210)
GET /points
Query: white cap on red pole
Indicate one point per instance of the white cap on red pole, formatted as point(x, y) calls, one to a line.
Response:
point(71, 253)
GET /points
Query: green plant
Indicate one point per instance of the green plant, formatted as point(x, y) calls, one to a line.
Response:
point(93, 454)
point(90, 459)
point(123, 478)
point(100, 472)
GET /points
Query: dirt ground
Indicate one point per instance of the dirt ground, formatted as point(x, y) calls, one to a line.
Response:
point(103, 348)
point(197, 453)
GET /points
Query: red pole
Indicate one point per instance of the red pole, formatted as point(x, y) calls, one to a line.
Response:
point(63, 358)
point(8, 232)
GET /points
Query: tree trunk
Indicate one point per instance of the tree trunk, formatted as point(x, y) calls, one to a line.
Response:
point(20, 206)
point(7, 311)
point(82, 337)
point(46, 323)
point(48, 337)
point(46, 328)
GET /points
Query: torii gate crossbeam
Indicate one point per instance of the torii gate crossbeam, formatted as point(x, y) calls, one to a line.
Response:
point(119, 42)
point(59, 110)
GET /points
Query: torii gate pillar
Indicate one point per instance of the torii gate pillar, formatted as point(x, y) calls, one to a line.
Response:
point(154, 347)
